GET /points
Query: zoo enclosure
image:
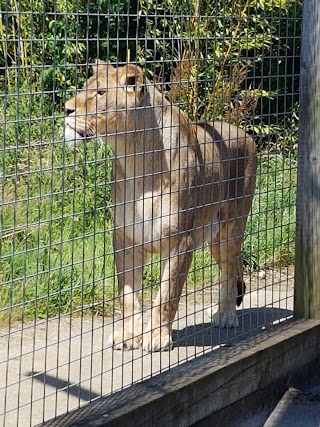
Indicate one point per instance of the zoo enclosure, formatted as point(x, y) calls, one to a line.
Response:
point(236, 61)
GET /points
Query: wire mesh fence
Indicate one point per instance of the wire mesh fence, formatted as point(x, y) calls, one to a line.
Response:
point(133, 137)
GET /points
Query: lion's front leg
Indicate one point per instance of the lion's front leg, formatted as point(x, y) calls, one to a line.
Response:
point(176, 264)
point(228, 256)
point(129, 263)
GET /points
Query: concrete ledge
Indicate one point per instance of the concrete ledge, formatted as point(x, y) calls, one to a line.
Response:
point(198, 389)
point(296, 408)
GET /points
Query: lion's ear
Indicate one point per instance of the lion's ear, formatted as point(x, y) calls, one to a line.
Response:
point(102, 65)
point(132, 77)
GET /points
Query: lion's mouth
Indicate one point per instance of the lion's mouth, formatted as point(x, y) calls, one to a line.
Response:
point(73, 136)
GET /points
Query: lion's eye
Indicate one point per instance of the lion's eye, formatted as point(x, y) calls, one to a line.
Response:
point(101, 92)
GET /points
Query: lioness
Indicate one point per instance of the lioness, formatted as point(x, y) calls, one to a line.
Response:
point(176, 186)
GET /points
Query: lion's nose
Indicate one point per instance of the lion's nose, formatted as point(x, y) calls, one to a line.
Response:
point(68, 111)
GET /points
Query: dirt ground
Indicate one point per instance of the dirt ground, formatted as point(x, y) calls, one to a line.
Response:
point(59, 364)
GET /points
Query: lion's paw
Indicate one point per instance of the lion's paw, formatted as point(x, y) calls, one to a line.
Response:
point(124, 340)
point(155, 341)
point(224, 320)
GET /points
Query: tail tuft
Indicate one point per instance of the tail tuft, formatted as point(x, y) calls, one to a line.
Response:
point(241, 287)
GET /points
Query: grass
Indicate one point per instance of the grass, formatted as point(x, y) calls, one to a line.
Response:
point(55, 245)
point(270, 232)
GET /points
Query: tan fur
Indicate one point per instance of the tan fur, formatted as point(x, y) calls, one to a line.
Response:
point(176, 186)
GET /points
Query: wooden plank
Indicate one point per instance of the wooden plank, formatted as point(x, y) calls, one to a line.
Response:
point(197, 389)
point(307, 270)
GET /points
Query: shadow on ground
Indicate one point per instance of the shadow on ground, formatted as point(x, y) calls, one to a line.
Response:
point(62, 385)
point(207, 335)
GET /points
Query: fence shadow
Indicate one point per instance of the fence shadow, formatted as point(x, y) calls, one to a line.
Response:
point(250, 320)
point(63, 385)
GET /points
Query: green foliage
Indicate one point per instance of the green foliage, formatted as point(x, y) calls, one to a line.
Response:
point(270, 233)
point(228, 59)
point(45, 42)
point(229, 54)
point(237, 60)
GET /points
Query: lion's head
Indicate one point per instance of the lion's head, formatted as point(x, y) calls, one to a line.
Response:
point(101, 106)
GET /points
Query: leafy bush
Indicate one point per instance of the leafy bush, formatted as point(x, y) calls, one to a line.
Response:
point(45, 42)
point(233, 60)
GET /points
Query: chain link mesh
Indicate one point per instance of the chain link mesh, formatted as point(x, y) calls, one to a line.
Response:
point(68, 224)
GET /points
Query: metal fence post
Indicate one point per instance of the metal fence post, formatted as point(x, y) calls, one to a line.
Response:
point(307, 267)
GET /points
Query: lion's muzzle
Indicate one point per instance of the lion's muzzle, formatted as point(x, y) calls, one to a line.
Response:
point(71, 136)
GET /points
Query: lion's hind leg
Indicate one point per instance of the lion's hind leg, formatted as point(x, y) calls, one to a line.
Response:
point(227, 252)
point(129, 263)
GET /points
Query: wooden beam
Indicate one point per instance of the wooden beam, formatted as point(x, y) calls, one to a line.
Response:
point(307, 264)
